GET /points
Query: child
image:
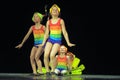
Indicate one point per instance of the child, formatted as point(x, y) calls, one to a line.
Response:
point(38, 32)
point(63, 64)
point(55, 26)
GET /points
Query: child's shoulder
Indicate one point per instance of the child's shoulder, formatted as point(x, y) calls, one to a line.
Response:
point(32, 25)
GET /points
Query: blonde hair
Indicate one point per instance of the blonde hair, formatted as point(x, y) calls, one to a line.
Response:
point(54, 5)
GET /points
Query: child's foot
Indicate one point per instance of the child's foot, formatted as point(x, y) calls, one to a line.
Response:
point(34, 74)
point(60, 74)
point(40, 73)
point(52, 73)
point(47, 73)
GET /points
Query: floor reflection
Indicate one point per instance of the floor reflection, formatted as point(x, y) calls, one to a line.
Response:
point(27, 76)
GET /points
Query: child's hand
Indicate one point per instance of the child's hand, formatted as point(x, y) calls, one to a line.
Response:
point(70, 44)
point(18, 46)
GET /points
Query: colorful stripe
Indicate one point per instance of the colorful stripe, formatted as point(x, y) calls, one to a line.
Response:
point(38, 35)
point(55, 31)
point(62, 63)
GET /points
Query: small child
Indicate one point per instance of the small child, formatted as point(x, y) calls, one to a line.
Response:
point(62, 61)
point(38, 31)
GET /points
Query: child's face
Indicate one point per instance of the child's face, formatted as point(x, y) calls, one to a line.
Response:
point(63, 49)
point(54, 11)
point(36, 18)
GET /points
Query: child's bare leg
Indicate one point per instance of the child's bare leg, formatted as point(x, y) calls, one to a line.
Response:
point(46, 56)
point(57, 71)
point(52, 56)
point(63, 72)
point(32, 60)
point(37, 58)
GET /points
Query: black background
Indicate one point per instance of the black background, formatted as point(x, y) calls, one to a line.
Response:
point(16, 18)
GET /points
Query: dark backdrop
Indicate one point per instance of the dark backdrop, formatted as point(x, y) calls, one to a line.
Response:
point(16, 20)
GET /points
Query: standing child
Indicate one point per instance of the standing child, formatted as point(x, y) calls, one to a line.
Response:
point(55, 26)
point(36, 51)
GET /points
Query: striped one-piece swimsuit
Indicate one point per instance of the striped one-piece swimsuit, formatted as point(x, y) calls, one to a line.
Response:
point(55, 32)
point(38, 35)
point(62, 63)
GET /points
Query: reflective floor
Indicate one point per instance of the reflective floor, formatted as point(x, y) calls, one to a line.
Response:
point(27, 76)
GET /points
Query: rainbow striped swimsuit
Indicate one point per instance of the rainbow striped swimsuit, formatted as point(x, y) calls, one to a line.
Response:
point(38, 35)
point(62, 63)
point(55, 32)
